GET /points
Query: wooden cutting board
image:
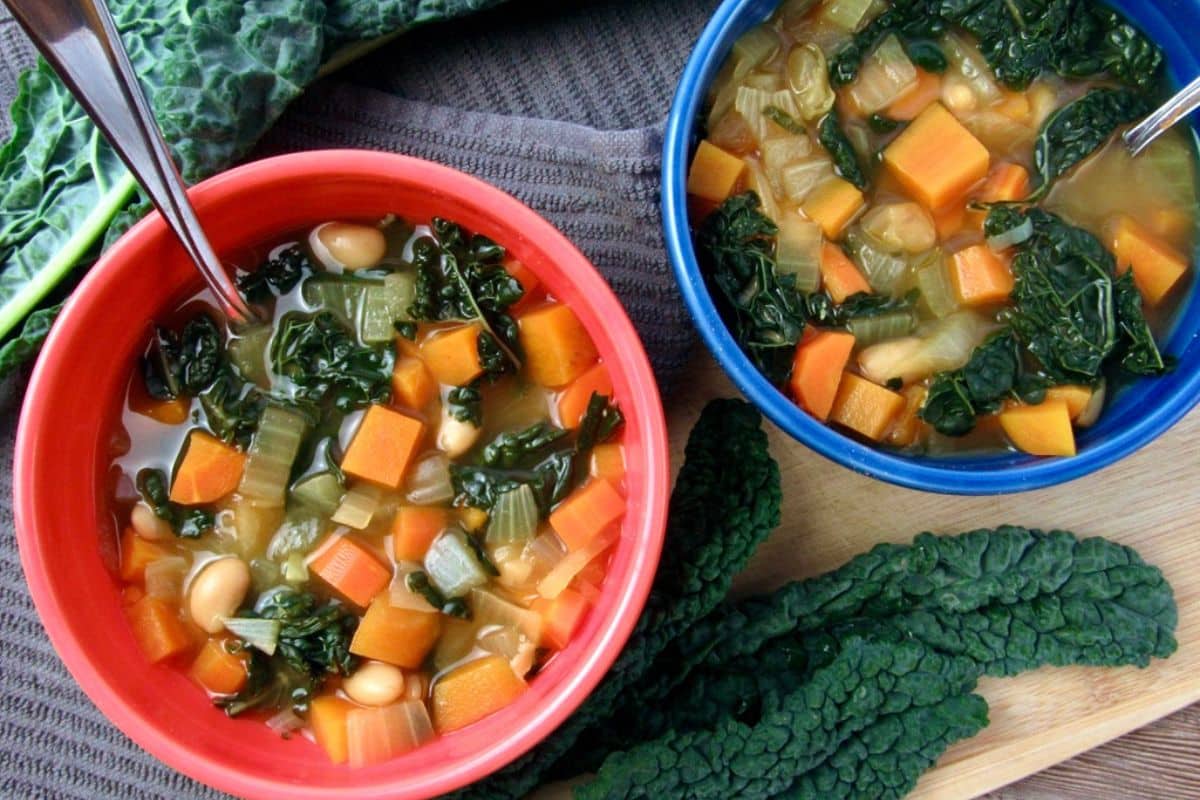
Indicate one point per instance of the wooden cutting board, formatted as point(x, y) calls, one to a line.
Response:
point(1148, 501)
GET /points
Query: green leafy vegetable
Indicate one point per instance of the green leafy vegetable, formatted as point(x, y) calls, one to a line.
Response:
point(465, 404)
point(1137, 352)
point(233, 407)
point(514, 448)
point(956, 398)
point(24, 346)
point(783, 120)
point(277, 276)
point(845, 159)
point(183, 364)
point(323, 361)
point(187, 523)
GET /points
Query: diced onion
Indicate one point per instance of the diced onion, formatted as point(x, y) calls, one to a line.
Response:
point(565, 571)
point(946, 345)
point(881, 269)
point(490, 609)
point(967, 62)
point(295, 569)
point(756, 181)
point(544, 552)
point(933, 282)
point(798, 252)
point(262, 634)
point(430, 482)
point(374, 735)
point(884, 77)
point(750, 103)
point(452, 565)
point(400, 596)
point(514, 517)
point(1012, 236)
point(799, 179)
point(901, 227)
point(1095, 404)
point(752, 48)
point(850, 15)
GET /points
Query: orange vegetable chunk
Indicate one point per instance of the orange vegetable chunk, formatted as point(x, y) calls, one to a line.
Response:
point(817, 370)
point(473, 691)
point(530, 284)
point(1041, 430)
point(832, 205)
point(714, 173)
point(980, 276)
point(1157, 267)
point(136, 553)
point(573, 402)
point(453, 355)
point(412, 384)
point(557, 347)
point(350, 569)
point(608, 462)
point(950, 221)
point(936, 158)
point(1076, 398)
point(383, 447)
point(168, 412)
point(839, 275)
point(560, 616)
point(586, 512)
point(414, 528)
point(909, 105)
point(218, 670)
point(210, 469)
point(908, 426)
point(399, 636)
point(1006, 182)
point(157, 628)
point(865, 407)
point(327, 718)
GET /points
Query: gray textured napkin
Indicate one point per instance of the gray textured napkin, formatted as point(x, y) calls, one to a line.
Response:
point(560, 104)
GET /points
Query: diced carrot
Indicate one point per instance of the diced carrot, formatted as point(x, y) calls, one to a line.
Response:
point(980, 276)
point(218, 670)
point(1006, 182)
point(168, 412)
point(399, 636)
point(817, 370)
point(839, 275)
point(453, 355)
point(349, 569)
point(473, 519)
point(908, 426)
point(414, 528)
point(832, 205)
point(560, 617)
point(210, 469)
point(136, 553)
point(573, 401)
point(936, 158)
point(1041, 430)
point(534, 293)
point(1157, 267)
point(586, 512)
point(383, 447)
point(714, 173)
point(327, 718)
point(910, 104)
point(157, 628)
point(865, 407)
point(413, 386)
point(557, 346)
point(608, 462)
point(950, 220)
point(1076, 398)
point(471, 692)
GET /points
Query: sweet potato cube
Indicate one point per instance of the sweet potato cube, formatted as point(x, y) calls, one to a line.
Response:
point(210, 469)
point(473, 691)
point(1041, 430)
point(350, 569)
point(980, 276)
point(557, 347)
point(839, 275)
point(1157, 267)
point(453, 355)
point(817, 370)
point(217, 669)
point(832, 205)
point(1076, 398)
point(865, 407)
point(573, 401)
point(327, 717)
point(136, 553)
point(608, 462)
point(586, 512)
point(414, 528)
point(560, 616)
point(413, 386)
point(383, 447)
point(714, 173)
point(399, 636)
point(936, 158)
point(158, 629)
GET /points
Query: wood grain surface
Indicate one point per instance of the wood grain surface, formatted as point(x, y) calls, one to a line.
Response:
point(1041, 719)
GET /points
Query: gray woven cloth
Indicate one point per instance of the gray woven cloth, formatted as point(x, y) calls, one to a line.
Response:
point(560, 104)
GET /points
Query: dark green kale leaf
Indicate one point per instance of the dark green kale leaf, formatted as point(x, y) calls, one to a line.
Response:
point(845, 159)
point(783, 120)
point(278, 275)
point(600, 422)
point(882, 124)
point(183, 364)
point(465, 404)
point(321, 358)
point(517, 448)
point(1137, 352)
point(232, 407)
point(736, 245)
point(187, 523)
point(1080, 128)
point(956, 398)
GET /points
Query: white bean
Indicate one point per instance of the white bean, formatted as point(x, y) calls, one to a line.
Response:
point(353, 246)
point(149, 525)
point(217, 592)
point(455, 436)
point(375, 684)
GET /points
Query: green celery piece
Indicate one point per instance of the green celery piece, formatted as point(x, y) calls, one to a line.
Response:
point(726, 501)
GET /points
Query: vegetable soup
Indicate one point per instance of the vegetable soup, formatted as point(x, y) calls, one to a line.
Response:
point(921, 222)
point(373, 517)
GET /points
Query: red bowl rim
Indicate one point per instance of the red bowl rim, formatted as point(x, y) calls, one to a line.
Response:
point(644, 401)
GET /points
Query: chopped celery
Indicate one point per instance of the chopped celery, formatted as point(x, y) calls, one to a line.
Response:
point(869, 330)
point(342, 297)
point(262, 634)
point(386, 304)
point(752, 48)
point(270, 456)
point(453, 565)
point(884, 77)
point(882, 269)
point(430, 482)
point(514, 517)
point(937, 295)
point(491, 609)
point(358, 506)
point(808, 77)
point(321, 492)
point(295, 569)
point(850, 15)
point(248, 353)
point(298, 534)
point(798, 252)
point(799, 179)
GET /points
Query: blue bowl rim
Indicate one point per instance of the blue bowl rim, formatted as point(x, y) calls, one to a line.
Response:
point(956, 475)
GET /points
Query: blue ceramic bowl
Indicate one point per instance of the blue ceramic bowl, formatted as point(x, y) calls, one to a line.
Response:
point(1132, 419)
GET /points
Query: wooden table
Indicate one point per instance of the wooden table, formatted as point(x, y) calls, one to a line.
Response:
point(1158, 761)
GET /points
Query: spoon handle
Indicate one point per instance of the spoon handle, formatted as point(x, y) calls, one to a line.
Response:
point(80, 40)
point(1185, 101)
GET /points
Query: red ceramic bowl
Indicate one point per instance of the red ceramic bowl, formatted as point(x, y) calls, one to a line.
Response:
point(67, 537)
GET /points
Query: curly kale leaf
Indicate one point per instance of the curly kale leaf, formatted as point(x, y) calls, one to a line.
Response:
point(737, 247)
point(187, 523)
point(277, 276)
point(726, 501)
point(321, 358)
point(845, 159)
point(183, 364)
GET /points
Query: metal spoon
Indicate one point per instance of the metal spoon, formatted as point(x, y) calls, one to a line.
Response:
point(1185, 101)
point(80, 40)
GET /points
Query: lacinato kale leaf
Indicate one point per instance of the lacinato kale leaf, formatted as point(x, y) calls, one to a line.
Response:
point(277, 276)
point(232, 407)
point(956, 398)
point(515, 448)
point(320, 357)
point(1137, 352)
point(465, 404)
point(187, 523)
point(845, 159)
point(183, 364)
